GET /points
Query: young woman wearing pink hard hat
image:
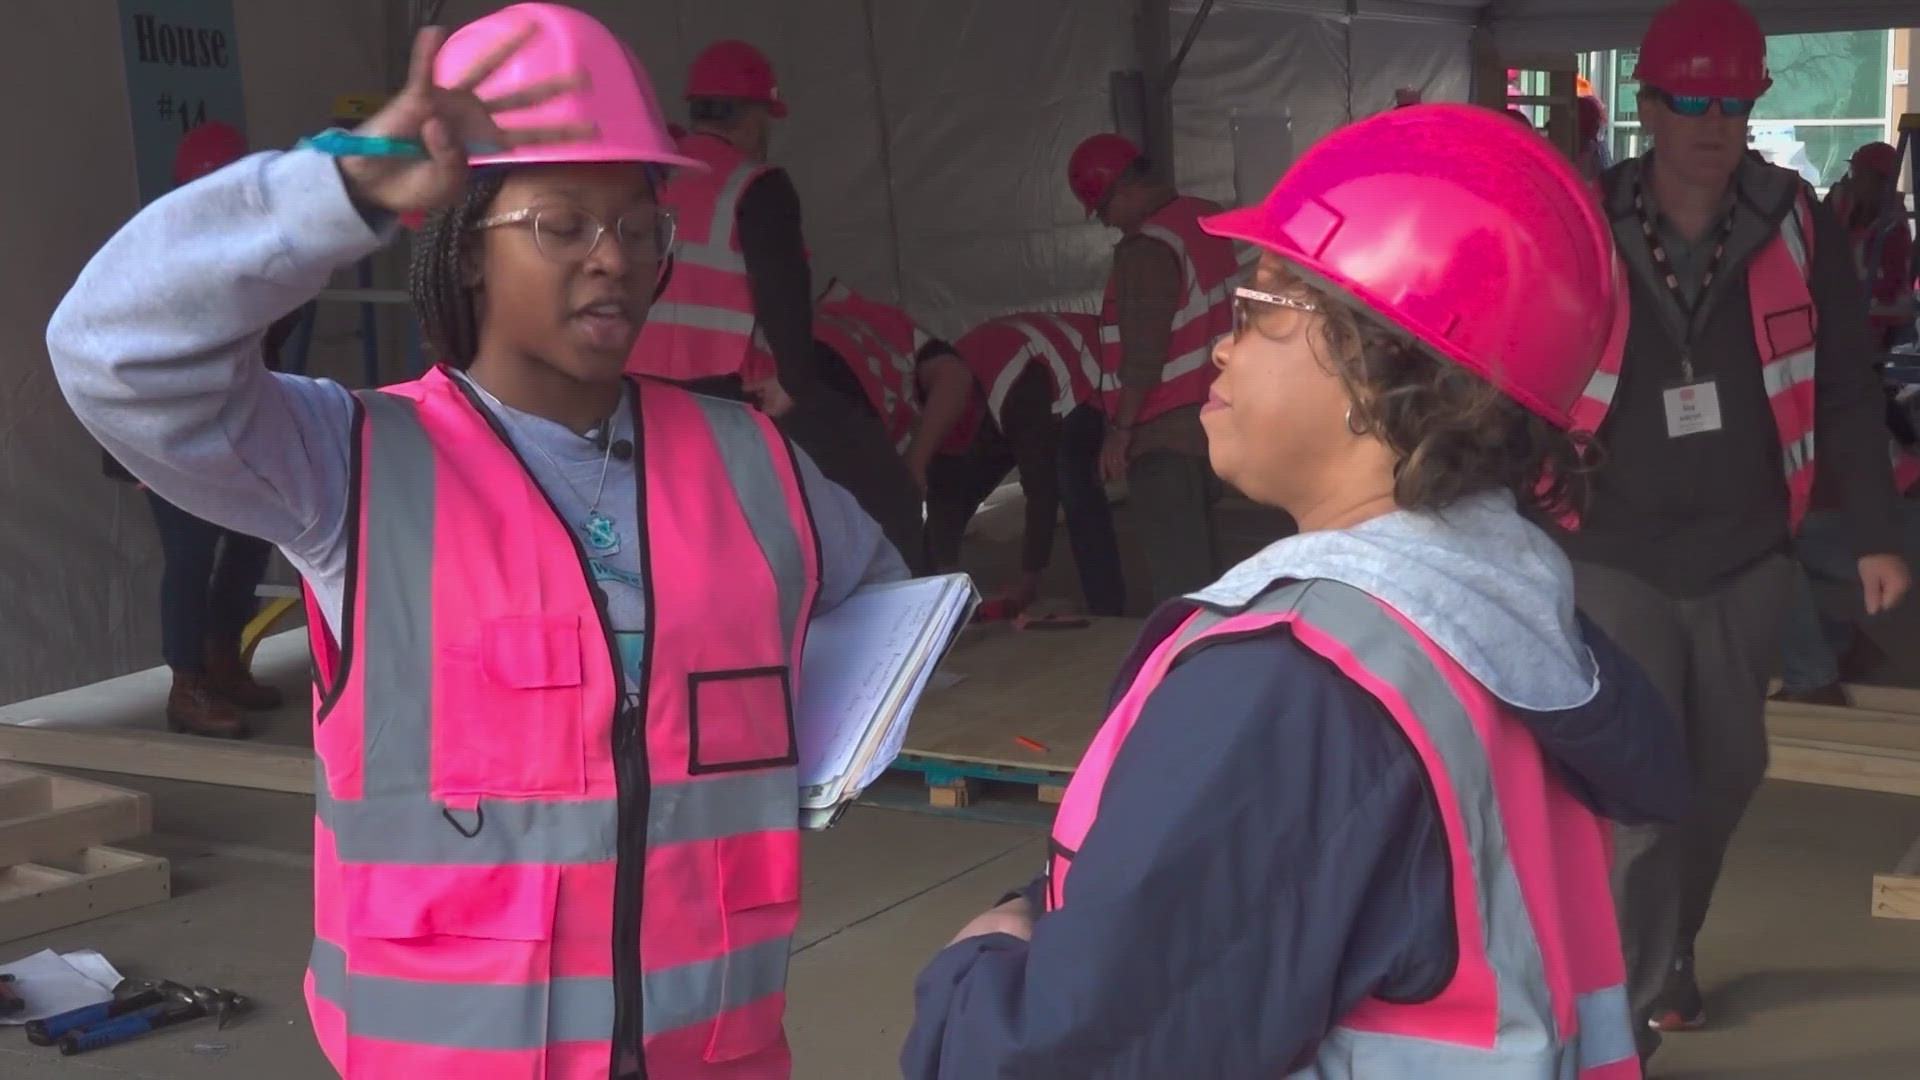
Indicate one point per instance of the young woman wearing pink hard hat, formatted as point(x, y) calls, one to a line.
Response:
point(556, 613)
point(1346, 818)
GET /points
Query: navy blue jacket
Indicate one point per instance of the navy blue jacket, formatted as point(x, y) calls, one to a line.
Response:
point(1267, 854)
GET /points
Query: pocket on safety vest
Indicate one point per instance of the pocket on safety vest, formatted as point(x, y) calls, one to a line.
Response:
point(1789, 331)
point(759, 878)
point(455, 958)
point(740, 720)
point(508, 721)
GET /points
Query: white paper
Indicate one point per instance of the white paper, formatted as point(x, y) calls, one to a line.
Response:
point(51, 984)
point(866, 664)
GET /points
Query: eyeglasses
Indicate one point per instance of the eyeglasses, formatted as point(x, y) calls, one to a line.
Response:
point(567, 235)
point(1250, 304)
point(1697, 105)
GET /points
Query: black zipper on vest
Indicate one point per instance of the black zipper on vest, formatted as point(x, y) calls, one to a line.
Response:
point(632, 773)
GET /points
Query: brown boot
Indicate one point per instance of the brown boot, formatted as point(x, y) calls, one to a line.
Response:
point(231, 678)
point(196, 708)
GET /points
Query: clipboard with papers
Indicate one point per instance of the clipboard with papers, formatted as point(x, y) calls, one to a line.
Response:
point(865, 666)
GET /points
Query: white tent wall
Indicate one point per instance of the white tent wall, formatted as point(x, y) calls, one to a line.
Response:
point(1618, 24)
point(79, 566)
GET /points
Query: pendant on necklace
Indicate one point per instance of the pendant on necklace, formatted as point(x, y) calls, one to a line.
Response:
point(603, 536)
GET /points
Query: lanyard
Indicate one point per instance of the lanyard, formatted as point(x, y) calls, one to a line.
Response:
point(1663, 266)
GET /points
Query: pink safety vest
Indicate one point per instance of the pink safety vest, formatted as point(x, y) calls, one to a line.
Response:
point(1785, 329)
point(518, 873)
point(1539, 990)
point(704, 325)
point(878, 342)
point(1208, 269)
point(1061, 343)
point(1906, 469)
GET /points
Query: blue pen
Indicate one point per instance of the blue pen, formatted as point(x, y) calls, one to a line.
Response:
point(339, 142)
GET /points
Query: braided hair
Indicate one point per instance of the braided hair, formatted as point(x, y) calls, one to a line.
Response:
point(436, 275)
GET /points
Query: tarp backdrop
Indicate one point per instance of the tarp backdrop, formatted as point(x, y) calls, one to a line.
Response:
point(928, 138)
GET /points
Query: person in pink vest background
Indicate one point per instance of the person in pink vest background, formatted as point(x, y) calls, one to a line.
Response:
point(1167, 301)
point(556, 612)
point(1346, 816)
point(1869, 205)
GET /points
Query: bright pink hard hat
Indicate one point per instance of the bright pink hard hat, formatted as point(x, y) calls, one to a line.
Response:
point(208, 147)
point(1457, 226)
point(735, 69)
point(618, 98)
point(1711, 48)
point(1877, 157)
point(1096, 163)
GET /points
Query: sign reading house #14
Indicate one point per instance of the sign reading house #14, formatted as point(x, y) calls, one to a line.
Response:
point(183, 69)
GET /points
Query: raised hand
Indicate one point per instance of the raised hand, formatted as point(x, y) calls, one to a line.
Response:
point(449, 121)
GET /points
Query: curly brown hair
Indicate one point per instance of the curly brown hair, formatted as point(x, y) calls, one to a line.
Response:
point(1453, 433)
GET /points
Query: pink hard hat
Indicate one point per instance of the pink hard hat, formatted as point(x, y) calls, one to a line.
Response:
point(1096, 163)
point(208, 147)
point(1456, 226)
point(735, 69)
point(618, 98)
point(1712, 48)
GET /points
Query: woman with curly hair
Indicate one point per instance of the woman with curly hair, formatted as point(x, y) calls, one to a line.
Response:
point(1346, 818)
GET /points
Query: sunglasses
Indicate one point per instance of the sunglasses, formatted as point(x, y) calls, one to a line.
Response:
point(1697, 105)
point(1251, 307)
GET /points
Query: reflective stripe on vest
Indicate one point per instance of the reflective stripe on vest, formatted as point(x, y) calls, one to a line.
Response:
point(1785, 331)
point(1074, 372)
point(1209, 268)
point(1499, 1017)
point(882, 342)
point(703, 325)
point(419, 887)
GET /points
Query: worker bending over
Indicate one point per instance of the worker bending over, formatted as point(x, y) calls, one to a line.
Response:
point(1008, 386)
point(555, 611)
point(1167, 301)
point(1345, 819)
point(1747, 354)
point(736, 317)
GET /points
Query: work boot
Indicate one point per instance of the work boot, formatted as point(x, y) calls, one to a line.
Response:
point(197, 708)
point(230, 676)
point(1680, 1007)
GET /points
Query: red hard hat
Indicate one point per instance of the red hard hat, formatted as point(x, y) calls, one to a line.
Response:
point(1593, 116)
point(735, 69)
point(1456, 226)
point(1712, 48)
point(1877, 157)
point(211, 146)
point(1096, 163)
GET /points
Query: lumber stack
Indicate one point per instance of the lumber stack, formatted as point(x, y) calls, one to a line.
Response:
point(57, 863)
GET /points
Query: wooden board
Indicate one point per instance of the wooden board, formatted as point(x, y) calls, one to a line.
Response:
point(168, 756)
point(45, 816)
point(1048, 686)
point(1897, 895)
point(87, 885)
point(1837, 764)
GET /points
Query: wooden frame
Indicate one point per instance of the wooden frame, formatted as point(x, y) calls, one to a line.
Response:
point(260, 766)
point(44, 815)
point(88, 884)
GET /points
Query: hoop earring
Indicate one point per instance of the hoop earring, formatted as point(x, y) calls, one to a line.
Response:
point(1361, 430)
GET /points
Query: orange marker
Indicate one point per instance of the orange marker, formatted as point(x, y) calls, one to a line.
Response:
point(1037, 747)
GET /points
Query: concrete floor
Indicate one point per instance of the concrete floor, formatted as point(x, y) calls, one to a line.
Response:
point(1803, 984)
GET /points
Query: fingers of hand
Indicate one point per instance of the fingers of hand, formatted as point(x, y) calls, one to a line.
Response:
point(535, 93)
point(494, 57)
point(426, 46)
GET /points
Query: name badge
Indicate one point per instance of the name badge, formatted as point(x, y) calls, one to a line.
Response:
point(1692, 409)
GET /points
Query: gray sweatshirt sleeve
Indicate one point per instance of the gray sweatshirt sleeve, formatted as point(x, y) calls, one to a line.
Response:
point(157, 348)
point(853, 550)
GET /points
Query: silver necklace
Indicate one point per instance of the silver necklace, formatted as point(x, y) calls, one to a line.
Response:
point(601, 532)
